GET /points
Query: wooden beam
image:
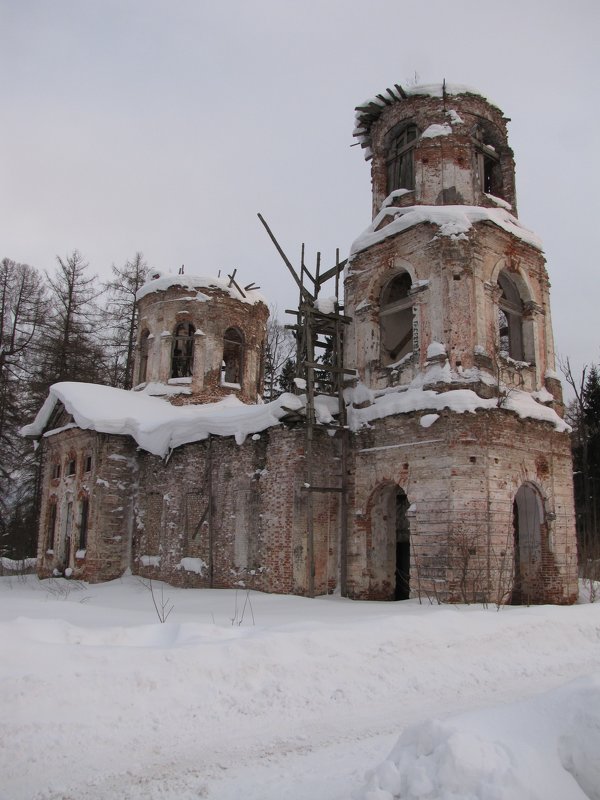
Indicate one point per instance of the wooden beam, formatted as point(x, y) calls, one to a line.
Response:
point(325, 276)
point(286, 261)
point(327, 368)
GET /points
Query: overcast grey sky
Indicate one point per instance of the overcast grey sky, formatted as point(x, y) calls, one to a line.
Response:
point(166, 126)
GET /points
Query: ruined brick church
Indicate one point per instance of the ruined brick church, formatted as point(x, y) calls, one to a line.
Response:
point(438, 465)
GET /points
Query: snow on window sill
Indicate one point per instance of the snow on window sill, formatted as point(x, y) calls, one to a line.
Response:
point(150, 561)
point(227, 385)
point(179, 381)
point(80, 554)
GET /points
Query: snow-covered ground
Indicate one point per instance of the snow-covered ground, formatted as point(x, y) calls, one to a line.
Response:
point(265, 697)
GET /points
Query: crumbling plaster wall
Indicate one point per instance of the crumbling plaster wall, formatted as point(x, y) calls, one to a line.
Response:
point(446, 167)
point(109, 484)
point(455, 301)
point(226, 515)
point(461, 476)
point(160, 312)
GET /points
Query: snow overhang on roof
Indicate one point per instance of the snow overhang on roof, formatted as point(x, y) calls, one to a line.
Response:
point(158, 427)
point(368, 112)
point(155, 424)
point(160, 282)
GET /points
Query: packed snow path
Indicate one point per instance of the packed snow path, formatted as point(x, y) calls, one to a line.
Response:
point(101, 700)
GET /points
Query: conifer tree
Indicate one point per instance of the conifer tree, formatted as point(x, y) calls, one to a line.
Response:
point(71, 349)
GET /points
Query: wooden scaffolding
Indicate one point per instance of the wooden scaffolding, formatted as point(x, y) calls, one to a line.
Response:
point(319, 332)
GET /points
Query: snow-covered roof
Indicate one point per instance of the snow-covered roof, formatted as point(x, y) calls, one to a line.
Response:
point(155, 424)
point(158, 427)
point(453, 221)
point(370, 110)
point(164, 281)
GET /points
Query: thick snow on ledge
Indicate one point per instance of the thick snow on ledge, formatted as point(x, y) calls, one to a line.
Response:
point(155, 424)
point(452, 221)
point(199, 282)
point(458, 400)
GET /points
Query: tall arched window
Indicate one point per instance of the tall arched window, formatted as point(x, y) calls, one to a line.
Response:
point(400, 160)
point(52, 516)
point(510, 319)
point(528, 519)
point(182, 363)
point(490, 169)
point(84, 510)
point(144, 347)
point(396, 315)
point(233, 352)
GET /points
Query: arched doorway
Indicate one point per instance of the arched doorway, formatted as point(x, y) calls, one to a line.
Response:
point(528, 518)
point(390, 544)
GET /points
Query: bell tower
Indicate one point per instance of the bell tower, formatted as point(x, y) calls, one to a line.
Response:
point(445, 274)
point(461, 461)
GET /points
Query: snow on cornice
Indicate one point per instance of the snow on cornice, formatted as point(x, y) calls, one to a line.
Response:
point(155, 424)
point(164, 281)
point(452, 221)
point(370, 110)
point(458, 400)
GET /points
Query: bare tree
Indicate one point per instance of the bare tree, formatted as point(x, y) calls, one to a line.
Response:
point(123, 318)
point(22, 309)
point(280, 347)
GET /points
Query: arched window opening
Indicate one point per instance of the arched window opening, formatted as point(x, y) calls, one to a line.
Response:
point(64, 549)
point(182, 363)
point(528, 518)
point(233, 350)
point(144, 348)
point(400, 159)
point(396, 316)
point(490, 170)
point(83, 522)
point(510, 319)
point(51, 527)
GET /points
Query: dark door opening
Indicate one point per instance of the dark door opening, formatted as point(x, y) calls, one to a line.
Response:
point(402, 547)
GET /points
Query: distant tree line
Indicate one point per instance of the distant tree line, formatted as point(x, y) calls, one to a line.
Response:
point(583, 414)
point(65, 326)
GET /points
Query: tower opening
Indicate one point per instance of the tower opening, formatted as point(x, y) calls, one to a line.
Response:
point(182, 362)
point(510, 319)
point(144, 347)
point(396, 316)
point(400, 158)
point(233, 348)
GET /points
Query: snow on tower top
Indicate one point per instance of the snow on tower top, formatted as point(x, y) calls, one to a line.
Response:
point(369, 111)
point(160, 282)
